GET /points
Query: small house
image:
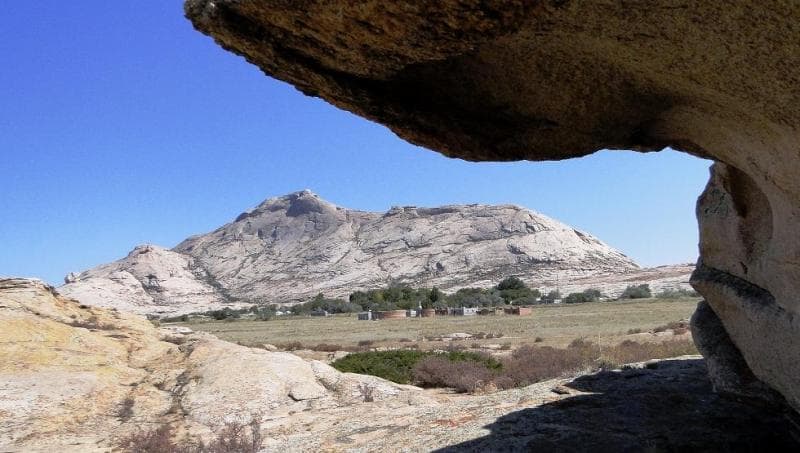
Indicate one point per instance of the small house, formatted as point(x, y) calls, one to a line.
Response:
point(464, 311)
point(519, 311)
point(365, 316)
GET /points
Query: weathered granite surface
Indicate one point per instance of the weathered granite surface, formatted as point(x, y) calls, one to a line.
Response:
point(75, 378)
point(511, 80)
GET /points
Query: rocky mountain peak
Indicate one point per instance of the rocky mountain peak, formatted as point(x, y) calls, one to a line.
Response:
point(295, 204)
point(290, 248)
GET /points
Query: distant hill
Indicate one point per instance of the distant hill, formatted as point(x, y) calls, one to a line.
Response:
point(290, 248)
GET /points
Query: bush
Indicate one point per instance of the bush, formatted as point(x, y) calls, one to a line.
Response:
point(290, 346)
point(158, 440)
point(637, 292)
point(93, 323)
point(588, 295)
point(231, 437)
point(225, 314)
point(463, 376)
point(367, 392)
point(327, 347)
point(511, 283)
point(471, 371)
point(366, 343)
point(397, 366)
point(677, 327)
point(529, 364)
point(394, 366)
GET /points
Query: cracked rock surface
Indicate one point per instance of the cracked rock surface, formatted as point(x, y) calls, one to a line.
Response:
point(513, 80)
point(80, 378)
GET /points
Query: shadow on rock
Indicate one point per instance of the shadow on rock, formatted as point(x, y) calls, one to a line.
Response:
point(668, 406)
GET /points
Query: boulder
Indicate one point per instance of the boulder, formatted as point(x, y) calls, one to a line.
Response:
point(513, 80)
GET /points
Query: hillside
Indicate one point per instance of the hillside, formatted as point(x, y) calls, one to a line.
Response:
point(289, 248)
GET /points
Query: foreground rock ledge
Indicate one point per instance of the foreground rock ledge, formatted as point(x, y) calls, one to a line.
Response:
point(79, 378)
point(514, 80)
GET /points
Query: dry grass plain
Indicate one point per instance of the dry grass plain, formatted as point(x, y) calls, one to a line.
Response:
point(554, 325)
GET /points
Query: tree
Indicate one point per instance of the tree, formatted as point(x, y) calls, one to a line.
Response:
point(474, 297)
point(551, 297)
point(435, 295)
point(593, 293)
point(637, 292)
point(589, 295)
point(511, 283)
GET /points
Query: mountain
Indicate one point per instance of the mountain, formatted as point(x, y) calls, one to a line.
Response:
point(289, 248)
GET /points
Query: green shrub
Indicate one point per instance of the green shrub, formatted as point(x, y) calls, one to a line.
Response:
point(397, 366)
point(637, 292)
point(467, 371)
point(394, 366)
point(589, 295)
point(511, 283)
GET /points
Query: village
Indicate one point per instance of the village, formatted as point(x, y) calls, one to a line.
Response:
point(450, 311)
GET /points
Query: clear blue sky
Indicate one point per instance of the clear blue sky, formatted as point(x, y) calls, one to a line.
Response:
point(121, 125)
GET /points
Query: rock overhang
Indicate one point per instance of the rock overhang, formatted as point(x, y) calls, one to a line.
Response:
point(525, 80)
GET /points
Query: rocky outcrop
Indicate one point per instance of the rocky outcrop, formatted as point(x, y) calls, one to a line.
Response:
point(79, 378)
point(150, 280)
point(293, 247)
point(496, 80)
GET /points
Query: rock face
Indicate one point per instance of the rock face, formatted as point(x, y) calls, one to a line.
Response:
point(499, 80)
point(290, 248)
point(149, 280)
point(57, 355)
point(296, 246)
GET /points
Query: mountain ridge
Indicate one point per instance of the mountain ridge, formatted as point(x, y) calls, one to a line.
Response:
point(286, 249)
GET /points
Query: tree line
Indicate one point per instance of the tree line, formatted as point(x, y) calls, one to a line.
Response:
point(509, 291)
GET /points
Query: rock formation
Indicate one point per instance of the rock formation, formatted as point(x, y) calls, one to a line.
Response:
point(511, 80)
point(78, 378)
point(293, 247)
point(149, 280)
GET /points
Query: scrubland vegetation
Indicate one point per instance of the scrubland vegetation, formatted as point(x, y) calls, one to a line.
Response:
point(230, 437)
point(471, 371)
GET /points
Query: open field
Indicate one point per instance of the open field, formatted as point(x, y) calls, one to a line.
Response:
point(556, 325)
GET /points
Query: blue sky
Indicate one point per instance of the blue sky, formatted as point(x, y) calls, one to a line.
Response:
point(121, 125)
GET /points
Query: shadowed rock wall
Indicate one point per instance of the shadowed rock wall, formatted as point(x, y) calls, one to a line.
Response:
point(537, 80)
